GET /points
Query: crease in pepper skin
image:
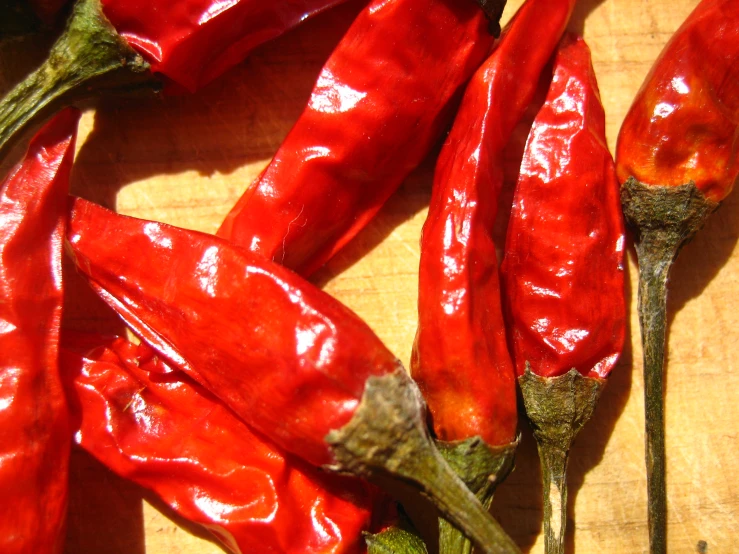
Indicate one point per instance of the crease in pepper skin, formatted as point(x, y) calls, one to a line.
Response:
point(381, 101)
point(34, 426)
point(151, 424)
point(460, 356)
point(682, 125)
point(563, 272)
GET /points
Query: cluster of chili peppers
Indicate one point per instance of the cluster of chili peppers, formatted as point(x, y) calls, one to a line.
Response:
point(291, 380)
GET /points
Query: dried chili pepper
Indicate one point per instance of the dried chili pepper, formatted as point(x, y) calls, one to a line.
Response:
point(34, 426)
point(379, 104)
point(460, 356)
point(563, 271)
point(154, 426)
point(678, 158)
point(291, 361)
point(120, 44)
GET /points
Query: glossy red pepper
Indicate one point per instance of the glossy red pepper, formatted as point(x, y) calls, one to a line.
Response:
point(153, 425)
point(190, 42)
point(291, 361)
point(460, 356)
point(381, 101)
point(563, 271)
point(682, 125)
point(677, 157)
point(194, 41)
point(34, 426)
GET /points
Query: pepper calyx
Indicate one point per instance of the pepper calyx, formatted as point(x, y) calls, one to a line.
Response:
point(482, 468)
point(387, 437)
point(395, 540)
point(88, 57)
point(557, 408)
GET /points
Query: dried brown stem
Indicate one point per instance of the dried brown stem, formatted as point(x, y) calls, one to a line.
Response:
point(664, 220)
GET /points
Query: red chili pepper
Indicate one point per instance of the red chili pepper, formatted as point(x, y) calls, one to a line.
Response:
point(34, 426)
point(460, 356)
point(194, 41)
point(563, 271)
point(678, 157)
point(191, 42)
point(154, 426)
point(291, 361)
point(381, 101)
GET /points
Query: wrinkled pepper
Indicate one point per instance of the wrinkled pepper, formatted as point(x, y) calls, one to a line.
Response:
point(460, 356)
point(380, 102)
point(34, 426)
point(151, 424)
point(677, 159)
point(563, 271)
point(291, 361)
point(126, 44)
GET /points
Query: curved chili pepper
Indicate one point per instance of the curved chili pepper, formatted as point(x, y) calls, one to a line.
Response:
point(190, 42)
point(677, 157)
point(563, 271)
point(460, 357)
point(381, 101)
point(154, 426)
point(290, 360)
point(34, 426)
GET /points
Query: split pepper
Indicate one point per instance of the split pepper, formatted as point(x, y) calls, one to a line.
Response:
point(460, 356)
point(126, 44)
point(291, 361)
point(381, 101)
point(151, 424)
point(34, 426)
point(563, 271)
point(677, 159)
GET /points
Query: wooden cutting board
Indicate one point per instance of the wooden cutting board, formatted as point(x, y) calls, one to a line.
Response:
point(185, 160)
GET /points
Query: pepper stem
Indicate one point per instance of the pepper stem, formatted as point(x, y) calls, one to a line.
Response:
point(387, 436)
point(557, 407)
point(665, 219)
point(88, 57)
point(482, 468)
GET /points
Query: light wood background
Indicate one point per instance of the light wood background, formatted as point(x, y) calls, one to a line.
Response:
point(185, 160)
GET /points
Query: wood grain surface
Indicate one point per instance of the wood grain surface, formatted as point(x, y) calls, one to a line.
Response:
point(186, 159)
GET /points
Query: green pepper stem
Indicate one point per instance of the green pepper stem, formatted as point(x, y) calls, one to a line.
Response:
point(482, 468)
point(665, 219)
point(89, 57)
point(557, 408)
point(387, 436)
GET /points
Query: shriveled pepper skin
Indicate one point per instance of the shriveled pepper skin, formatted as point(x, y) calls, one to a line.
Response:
point(34, 426)
point(683, 123)
point(563, 270)
point(291, 360)
point(460, 357)
point(379, 104)
point(194, 41)
point(154, 426)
